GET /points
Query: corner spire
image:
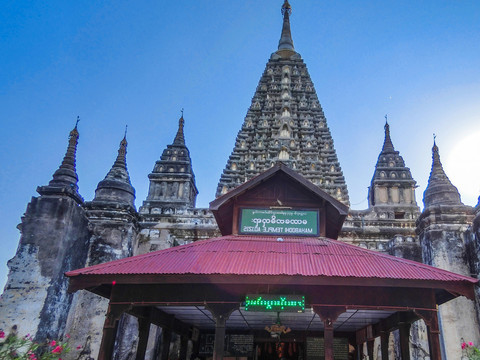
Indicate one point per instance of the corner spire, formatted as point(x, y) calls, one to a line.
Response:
point(286, 42)
point(180, 138)
point(116, 186)
point(387, 143)
point(121, 161)
point(65, 179)
point(66, 175)
point(440, 190)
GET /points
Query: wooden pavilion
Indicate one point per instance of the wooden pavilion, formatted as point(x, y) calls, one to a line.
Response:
point(277, 257)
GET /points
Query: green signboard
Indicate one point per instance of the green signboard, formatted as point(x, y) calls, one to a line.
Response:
point(269, 302)
point(279, 222)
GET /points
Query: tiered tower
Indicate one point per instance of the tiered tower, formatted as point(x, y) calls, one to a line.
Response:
point(443, 229)
point(392, 190)
point(172, 181)
point(113, 224)
point(169, 216)
point(54, 237)
point(388, 225)
point(285, 122)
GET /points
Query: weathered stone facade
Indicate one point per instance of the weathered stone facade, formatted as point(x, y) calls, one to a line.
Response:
point(444, 230)
point(285, 122)
point(54, 239)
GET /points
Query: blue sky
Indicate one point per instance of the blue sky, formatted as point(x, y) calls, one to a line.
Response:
point(139, 63)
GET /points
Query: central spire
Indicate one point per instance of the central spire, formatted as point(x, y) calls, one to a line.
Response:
point(286, 42)
point(286, 123)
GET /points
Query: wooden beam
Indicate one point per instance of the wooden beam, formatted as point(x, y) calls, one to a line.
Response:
point(100, 284)
point(351, 297)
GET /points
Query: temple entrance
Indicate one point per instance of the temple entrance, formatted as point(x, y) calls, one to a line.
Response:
point(286, 350)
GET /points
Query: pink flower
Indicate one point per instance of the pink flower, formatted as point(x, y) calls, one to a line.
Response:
point(2, 334)
point(464, 345)
point(114, 282)
point(470, 343)
point(68, 336)
point(79, 347)
point(58, 350)
point(53, 343)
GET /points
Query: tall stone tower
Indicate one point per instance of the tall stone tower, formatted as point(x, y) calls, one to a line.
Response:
point(443, 229)
point(172, 181)
point(388, 225)
point(285, 122)
point(168, 215)
point(54, 238)
point(392, 190)
point(113, 225)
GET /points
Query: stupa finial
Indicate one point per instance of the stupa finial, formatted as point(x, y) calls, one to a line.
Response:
point(286, 42)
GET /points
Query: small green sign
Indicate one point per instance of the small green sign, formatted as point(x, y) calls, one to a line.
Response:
point(269, 302)
point(279, 222)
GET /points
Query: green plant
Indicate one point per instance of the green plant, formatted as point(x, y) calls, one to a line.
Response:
point(24, 348)
point(470, 351)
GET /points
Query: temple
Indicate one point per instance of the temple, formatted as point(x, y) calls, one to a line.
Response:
point(278, 267)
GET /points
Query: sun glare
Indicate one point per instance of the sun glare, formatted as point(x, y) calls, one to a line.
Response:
point(462, 165)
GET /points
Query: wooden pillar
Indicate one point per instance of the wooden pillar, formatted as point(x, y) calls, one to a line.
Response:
point(434, 341)
point(431, 320)
point(360, 351)
point(110, 330)
point(220, 313)
point(384, 335)
point(328, 314)
point(183, 347)
point(404, 330)
point(328, 339)
point(166, 340)
point(143, 332)
point(219, 345)
point(196, 344)
point(370, 344)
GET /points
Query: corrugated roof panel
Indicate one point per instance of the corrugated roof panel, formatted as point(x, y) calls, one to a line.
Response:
point(263, 255)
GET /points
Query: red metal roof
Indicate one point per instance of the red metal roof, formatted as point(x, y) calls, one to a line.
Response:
point(263, 255)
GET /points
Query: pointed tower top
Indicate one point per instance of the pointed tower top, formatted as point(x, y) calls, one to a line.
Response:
point(172, 181)
point(387, 143)
point(65, 179)
point(286, 42)
point(439, 191)
point(116, 187)
point(390, 175)
point(180, 138)
point(66, 174)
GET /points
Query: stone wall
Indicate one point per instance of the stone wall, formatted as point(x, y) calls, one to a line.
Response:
point(54, 236)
